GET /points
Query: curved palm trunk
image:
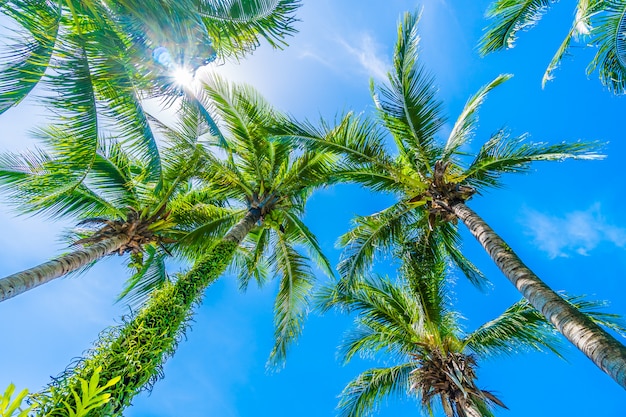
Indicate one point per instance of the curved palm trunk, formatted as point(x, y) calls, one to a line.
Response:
point(136, 351)
point(26, 280)
point(599, 346)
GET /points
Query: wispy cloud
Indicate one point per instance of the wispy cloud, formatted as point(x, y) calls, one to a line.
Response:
point(369, 55)
point(577, 232)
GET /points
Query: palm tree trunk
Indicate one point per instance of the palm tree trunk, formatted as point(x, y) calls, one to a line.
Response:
point(21, 282)
point(137, 350)
point(599, 346)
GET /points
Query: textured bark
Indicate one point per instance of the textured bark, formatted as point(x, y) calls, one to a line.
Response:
point(26, 280)
point(137, 350)
point(598, 345)
point(239, 231)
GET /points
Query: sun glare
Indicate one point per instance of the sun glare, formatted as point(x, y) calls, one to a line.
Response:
point(183, 77)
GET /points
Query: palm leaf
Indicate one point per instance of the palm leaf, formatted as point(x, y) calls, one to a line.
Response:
point(508, 18)
point(520, 327)
point(236, 27)
point(372, 235)
point(503, 154)
point(363, 394)
point(408, 105)
point(610, 35)
point(291, 305)
point(24, 63)
point(466, 123)
point(150, 274)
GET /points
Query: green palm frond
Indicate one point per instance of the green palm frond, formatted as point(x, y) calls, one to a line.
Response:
point(23, 64)
point(372, 235)
point(508, 18)
point(36, 183)
point(504, 154)
point(609, 28)
point(356, 138)
point(315, 169)
point(202, 225)
point(291, 305)
point(250, 260)
point(448, 235)
point(236, 27)
point(423, 269)
point(306, 238)
point(592, 308)
point(408, 105)
point(384, 309)
point(113, 175)
point(149, 274)
point(519, 328)
point(558, 56)
point(466, 123)
point(363, 395)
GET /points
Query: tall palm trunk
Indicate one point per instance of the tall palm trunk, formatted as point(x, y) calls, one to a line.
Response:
point(599, 346)
point(137, 350)
point(21, 282)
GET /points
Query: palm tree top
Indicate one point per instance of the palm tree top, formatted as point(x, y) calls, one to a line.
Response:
point(410, 324)
point(427, 173)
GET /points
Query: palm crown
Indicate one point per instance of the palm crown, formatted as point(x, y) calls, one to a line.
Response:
point(411, 323)
point(426, 175)
point(270, 181)
point(598, 23)
point(120, 199)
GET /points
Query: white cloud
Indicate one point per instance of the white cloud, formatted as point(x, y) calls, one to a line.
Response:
point(577, 232)
point(368, 52)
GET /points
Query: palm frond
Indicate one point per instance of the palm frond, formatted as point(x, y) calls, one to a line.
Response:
point(23, 64)
point(388, 316)
point(358, 139)
point(609, 33)
point(508, 18)
point(308, 239)
point(372, 235)
point(466, 123)
point(236, 27)
point(36, 183)
point(558, 56)
point(408, 105)
point(504, 154)
point(519, 328)
point(363, 395)
point(150, 274)
point(451, 240)
point(292, 301)
point(250, 260)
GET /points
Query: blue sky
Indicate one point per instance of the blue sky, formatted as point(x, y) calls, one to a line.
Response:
point(562, 219)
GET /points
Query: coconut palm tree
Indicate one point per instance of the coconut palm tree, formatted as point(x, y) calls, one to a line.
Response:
point(120, 205)
point(267, 183)
point(411, 326)
point(433, 180)
point(601, 24)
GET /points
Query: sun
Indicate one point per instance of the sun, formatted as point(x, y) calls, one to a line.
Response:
point(183, 77)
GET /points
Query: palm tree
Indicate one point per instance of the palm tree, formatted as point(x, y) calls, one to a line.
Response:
point(97, 60)
point(433, 182)
point(121, 205)
point(410, 323)
point(267, 183)
point(598, 23)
